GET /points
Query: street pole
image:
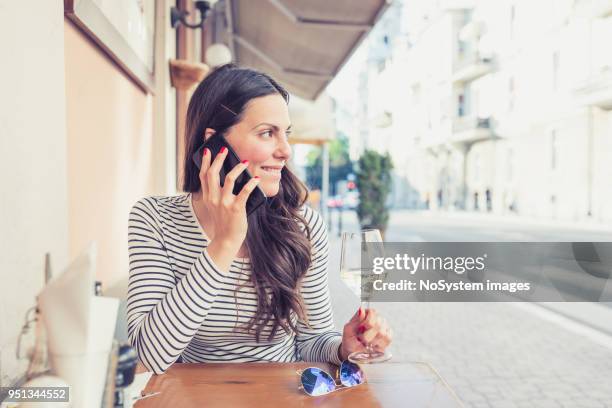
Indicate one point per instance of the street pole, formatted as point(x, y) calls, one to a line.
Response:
point(590, 164)
point(325, 181)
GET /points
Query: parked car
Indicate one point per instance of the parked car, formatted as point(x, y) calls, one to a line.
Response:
point(334, 202)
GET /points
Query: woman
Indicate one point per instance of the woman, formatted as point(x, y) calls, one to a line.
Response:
point(208, 284)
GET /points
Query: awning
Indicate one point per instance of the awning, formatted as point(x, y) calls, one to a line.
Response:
point(311, 122)
point(301, 43)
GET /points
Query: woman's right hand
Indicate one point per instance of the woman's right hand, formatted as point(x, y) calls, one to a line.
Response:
point(226, 211)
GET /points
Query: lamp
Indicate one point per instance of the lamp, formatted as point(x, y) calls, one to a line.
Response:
point(178, 17)
point(218, 54)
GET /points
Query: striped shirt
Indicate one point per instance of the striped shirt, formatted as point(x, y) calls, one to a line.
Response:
point(180, 304)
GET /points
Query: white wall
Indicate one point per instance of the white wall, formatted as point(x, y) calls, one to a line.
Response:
point(33, 207)
point(164, 103)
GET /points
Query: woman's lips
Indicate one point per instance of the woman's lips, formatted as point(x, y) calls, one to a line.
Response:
point(271, 171)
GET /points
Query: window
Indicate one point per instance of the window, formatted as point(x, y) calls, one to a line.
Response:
point(555, 75)
point(416, 93)
point(461, 50)
point(509, 165)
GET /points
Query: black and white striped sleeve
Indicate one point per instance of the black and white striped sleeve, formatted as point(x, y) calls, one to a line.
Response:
point(319, 342)
point(163, 312)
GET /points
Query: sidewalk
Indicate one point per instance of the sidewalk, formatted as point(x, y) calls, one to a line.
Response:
point(494, 354)
point(510, 219)
point(499, 355)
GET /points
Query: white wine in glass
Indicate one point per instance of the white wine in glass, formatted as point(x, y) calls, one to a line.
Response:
point(351, 272)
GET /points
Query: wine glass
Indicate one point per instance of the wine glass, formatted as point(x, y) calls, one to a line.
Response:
point(351, 272)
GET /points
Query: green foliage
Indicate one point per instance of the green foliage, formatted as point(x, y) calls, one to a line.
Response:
point(340, 165)
point(374, 184)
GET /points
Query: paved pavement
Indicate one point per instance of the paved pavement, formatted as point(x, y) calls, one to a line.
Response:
point(493, 354)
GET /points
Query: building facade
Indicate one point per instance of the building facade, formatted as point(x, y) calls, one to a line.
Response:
point(500, 107)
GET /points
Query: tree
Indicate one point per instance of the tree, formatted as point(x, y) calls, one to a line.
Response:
point(374, 185)
point(340, 165)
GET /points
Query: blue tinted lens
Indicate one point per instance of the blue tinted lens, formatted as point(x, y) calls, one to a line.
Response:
point(350, 374)
point(317, 382)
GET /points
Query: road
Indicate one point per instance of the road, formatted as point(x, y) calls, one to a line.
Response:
point(496, 354)
point(406, 225)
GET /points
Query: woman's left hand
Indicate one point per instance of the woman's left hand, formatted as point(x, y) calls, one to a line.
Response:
point(366, 326)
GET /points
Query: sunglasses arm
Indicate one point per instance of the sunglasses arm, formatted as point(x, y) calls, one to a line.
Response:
point(338, 388)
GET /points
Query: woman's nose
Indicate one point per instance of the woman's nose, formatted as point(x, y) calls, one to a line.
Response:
point(283, 148)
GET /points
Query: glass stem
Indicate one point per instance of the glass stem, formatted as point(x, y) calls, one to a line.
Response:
point(370, 349)
point(366, 306)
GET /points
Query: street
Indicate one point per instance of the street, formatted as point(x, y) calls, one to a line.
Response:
point(432, 226)
point(495, 354)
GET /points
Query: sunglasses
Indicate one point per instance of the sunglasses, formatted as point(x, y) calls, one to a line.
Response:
point(317, 382)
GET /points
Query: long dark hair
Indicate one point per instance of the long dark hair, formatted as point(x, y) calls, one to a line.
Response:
point(278, 248)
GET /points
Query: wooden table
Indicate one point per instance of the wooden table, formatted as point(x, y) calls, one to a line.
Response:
point(393, 384)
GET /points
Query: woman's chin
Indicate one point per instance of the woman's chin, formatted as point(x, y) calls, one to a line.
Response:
point(270, 190)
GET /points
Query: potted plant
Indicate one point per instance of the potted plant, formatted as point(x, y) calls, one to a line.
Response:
point(374, 185)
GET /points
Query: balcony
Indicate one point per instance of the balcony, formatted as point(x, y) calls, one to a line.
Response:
point(471, 67)
point(469, 130)
point(472, 31)
point(596, 91)
point(594, 8)
point(433, 143)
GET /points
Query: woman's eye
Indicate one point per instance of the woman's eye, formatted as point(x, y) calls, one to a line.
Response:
point(266, 133)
